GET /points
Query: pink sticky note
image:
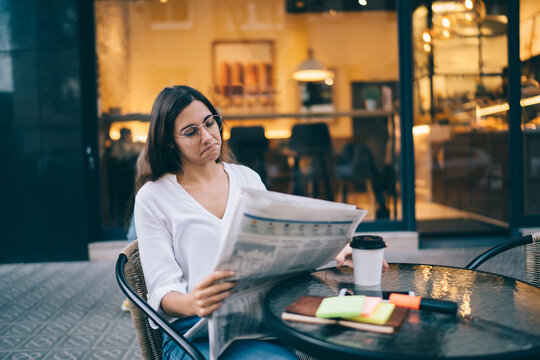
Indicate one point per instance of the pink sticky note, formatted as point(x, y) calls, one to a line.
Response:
point(370, 304)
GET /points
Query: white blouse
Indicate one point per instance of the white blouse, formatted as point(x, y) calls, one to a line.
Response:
point(178, 237)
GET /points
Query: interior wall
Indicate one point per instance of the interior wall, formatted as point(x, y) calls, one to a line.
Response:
point(529, 27)
point(112, 45)
point(528, 8)
point(357, 46)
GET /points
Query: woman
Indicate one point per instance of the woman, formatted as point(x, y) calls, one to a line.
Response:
point(184, 199)
point(180, 211)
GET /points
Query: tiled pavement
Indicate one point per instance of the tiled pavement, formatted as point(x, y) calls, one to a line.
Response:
point(62, 311)
point(72, 310)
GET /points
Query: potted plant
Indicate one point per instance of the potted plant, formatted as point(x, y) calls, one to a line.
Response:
point(371, 95)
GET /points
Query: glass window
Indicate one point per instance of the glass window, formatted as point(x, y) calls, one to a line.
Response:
point(530, 100)
point(335, 137)
point(460, 116)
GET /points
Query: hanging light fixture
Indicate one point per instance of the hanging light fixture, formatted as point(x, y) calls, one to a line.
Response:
point(311, 70)
point(457, 16)
point(461, 11)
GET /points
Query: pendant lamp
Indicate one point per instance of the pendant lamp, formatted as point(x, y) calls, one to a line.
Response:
point(311, 70)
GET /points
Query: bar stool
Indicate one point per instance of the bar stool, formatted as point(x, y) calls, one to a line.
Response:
point(312, 141)
point(356, 166)
point(249, 146)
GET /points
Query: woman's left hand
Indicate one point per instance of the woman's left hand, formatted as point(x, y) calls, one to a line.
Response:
point(345, 258)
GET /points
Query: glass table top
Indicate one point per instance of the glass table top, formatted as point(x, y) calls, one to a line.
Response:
point(498, 317)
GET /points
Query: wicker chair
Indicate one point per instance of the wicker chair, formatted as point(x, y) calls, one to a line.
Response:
point(531, 244)
point(131, 281)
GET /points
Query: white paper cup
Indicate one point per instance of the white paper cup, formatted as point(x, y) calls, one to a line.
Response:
point(367, 254)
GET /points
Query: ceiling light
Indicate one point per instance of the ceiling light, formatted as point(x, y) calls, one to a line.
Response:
point(445, 22)
point(311, 70)
point(467, 10)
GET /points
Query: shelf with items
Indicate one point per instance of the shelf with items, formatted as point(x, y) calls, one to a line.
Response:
point(530, 105)
point(453, 101)
point(530, 93)
point(493, 116)
point(138, 123)
point(269, 116)
point(464, 74)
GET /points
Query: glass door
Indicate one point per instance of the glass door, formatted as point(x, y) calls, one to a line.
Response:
point(461, 117)
point(529, 21)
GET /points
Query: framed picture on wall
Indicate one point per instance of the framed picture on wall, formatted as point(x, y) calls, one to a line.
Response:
point(243, 75)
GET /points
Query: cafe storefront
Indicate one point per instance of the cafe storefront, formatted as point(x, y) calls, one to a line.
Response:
point(425, 113)
point(422, 112)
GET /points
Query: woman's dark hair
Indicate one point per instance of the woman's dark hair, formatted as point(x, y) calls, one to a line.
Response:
point(161, 153)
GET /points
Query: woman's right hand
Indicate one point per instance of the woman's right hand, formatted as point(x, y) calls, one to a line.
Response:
point(209, 294)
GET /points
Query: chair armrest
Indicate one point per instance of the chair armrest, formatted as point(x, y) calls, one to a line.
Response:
point(488, 254)
point(150, 312)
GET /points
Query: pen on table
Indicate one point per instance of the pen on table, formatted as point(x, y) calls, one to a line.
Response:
point(407, 299)
point(420, 303)
point(386, 294)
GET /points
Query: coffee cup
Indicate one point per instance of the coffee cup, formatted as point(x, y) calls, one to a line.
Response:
point(367, 254)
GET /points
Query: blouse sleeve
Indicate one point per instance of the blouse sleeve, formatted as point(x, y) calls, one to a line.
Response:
point(161, 271)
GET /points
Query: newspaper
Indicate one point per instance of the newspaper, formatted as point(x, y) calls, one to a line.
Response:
point(272, 236)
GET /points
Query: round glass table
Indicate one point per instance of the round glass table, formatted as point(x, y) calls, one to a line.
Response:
point(498, 317)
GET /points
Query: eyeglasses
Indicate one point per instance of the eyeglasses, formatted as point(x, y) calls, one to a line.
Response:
point(192, 134)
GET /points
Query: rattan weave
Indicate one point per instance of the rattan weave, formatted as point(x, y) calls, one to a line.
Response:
point(532, 261)
point(149, 339)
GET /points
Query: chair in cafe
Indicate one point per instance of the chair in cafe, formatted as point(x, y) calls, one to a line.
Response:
point(312, 142)
point(386, 182)
point(130, 278)
point(356, 167)
point(249, 146)
point(531, 245)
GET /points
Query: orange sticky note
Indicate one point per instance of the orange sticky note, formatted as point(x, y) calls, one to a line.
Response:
point(370, 304)
point(380, 316)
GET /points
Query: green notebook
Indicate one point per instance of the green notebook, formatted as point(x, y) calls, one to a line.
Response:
point(304, 309)
point(341, 307)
